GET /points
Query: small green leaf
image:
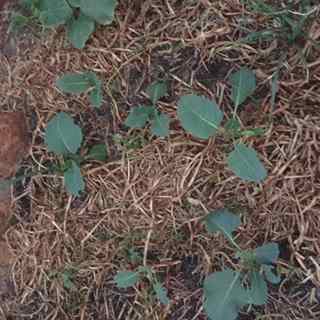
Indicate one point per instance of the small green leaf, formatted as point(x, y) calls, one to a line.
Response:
point(270, 275)
point(74, 82)
point(95, 97)
point(74, 3)
point(79, 30)
point(243, 85)
point(233, 127)
point(126, 279)
point(222, 220)
point(73, 180)
point(157, 90)
point(252, 132)
point(244, 162)
point(199, 116)
point(267, 254)
point(98, 152)
point(258, 292)
point(224, 295)
point(139, 116)
point(54, 13)
point(161, 293)
point(102, 11)
point(62, 135)
point(160, 125)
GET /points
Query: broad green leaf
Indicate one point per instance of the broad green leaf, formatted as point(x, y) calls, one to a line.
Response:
point(160, 125)
point(270, 275)
point(161, 293)
point(199, 116)
point(95, 97)
point(224, 295)
point(74, 83)
point(258, 292)
point(222, 220)
point(102, 11)
point(62, 135)
point(157, 90)
point(267, 254)
point(54, 13)
point(98, 152)
point(74, 3)
point(243, 85)
point(138, 116)
point(79, 30)
point(126, 279)
point(73, 180)
point(244, 162)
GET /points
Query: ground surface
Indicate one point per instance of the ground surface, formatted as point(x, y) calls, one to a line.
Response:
point(149, 199)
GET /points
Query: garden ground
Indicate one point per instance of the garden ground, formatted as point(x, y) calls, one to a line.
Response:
point(145, 205)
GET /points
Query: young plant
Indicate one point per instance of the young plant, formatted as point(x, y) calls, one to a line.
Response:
point(202, 118)
point(81, 82)
point(226, 292)
point(79, 16)
point(139, 116)
point(127, 279)
point(64, 138)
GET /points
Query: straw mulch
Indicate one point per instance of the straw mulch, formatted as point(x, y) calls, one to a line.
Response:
point(150, 197)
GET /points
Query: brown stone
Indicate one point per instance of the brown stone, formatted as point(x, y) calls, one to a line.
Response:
point(14, 142)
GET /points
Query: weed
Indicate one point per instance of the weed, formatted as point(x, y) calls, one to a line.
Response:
point(82, 82)
point(202, 118)
point(140, 115)
point(64, 138)
point(227, 291)
point(287, 22)
point(79, 16)
point(127, 279)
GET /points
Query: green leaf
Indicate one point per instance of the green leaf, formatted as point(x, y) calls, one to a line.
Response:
point(270, 275)
point(267, 254)
point(74, 83)
point(160, 125)
point(252, 132)
point(233, 127)
point(244, 162)
point(161, 293)
point(258, 292)
point(139, 116)
point(126, 279)
point(224, 295)
point(95, 95)
point(79, 30)
point(98, 152)
point(199, 116)
point(73, 180)
point(54, 13)
point(102, 11)
point(74, 3)
point(222, 220)
point(243, 85)
point(157, 90)
point(62, 135)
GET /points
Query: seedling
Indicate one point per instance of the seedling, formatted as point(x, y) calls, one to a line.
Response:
point(64, 138)
point(139, 116)
point(127, 279)
point(202, 118)
point(287, 23)
point(82, 82)
point(79, 16)
point(66, 276)
point(226, 292)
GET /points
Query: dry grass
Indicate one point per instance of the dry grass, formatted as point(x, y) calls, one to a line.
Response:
point(152, 199)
